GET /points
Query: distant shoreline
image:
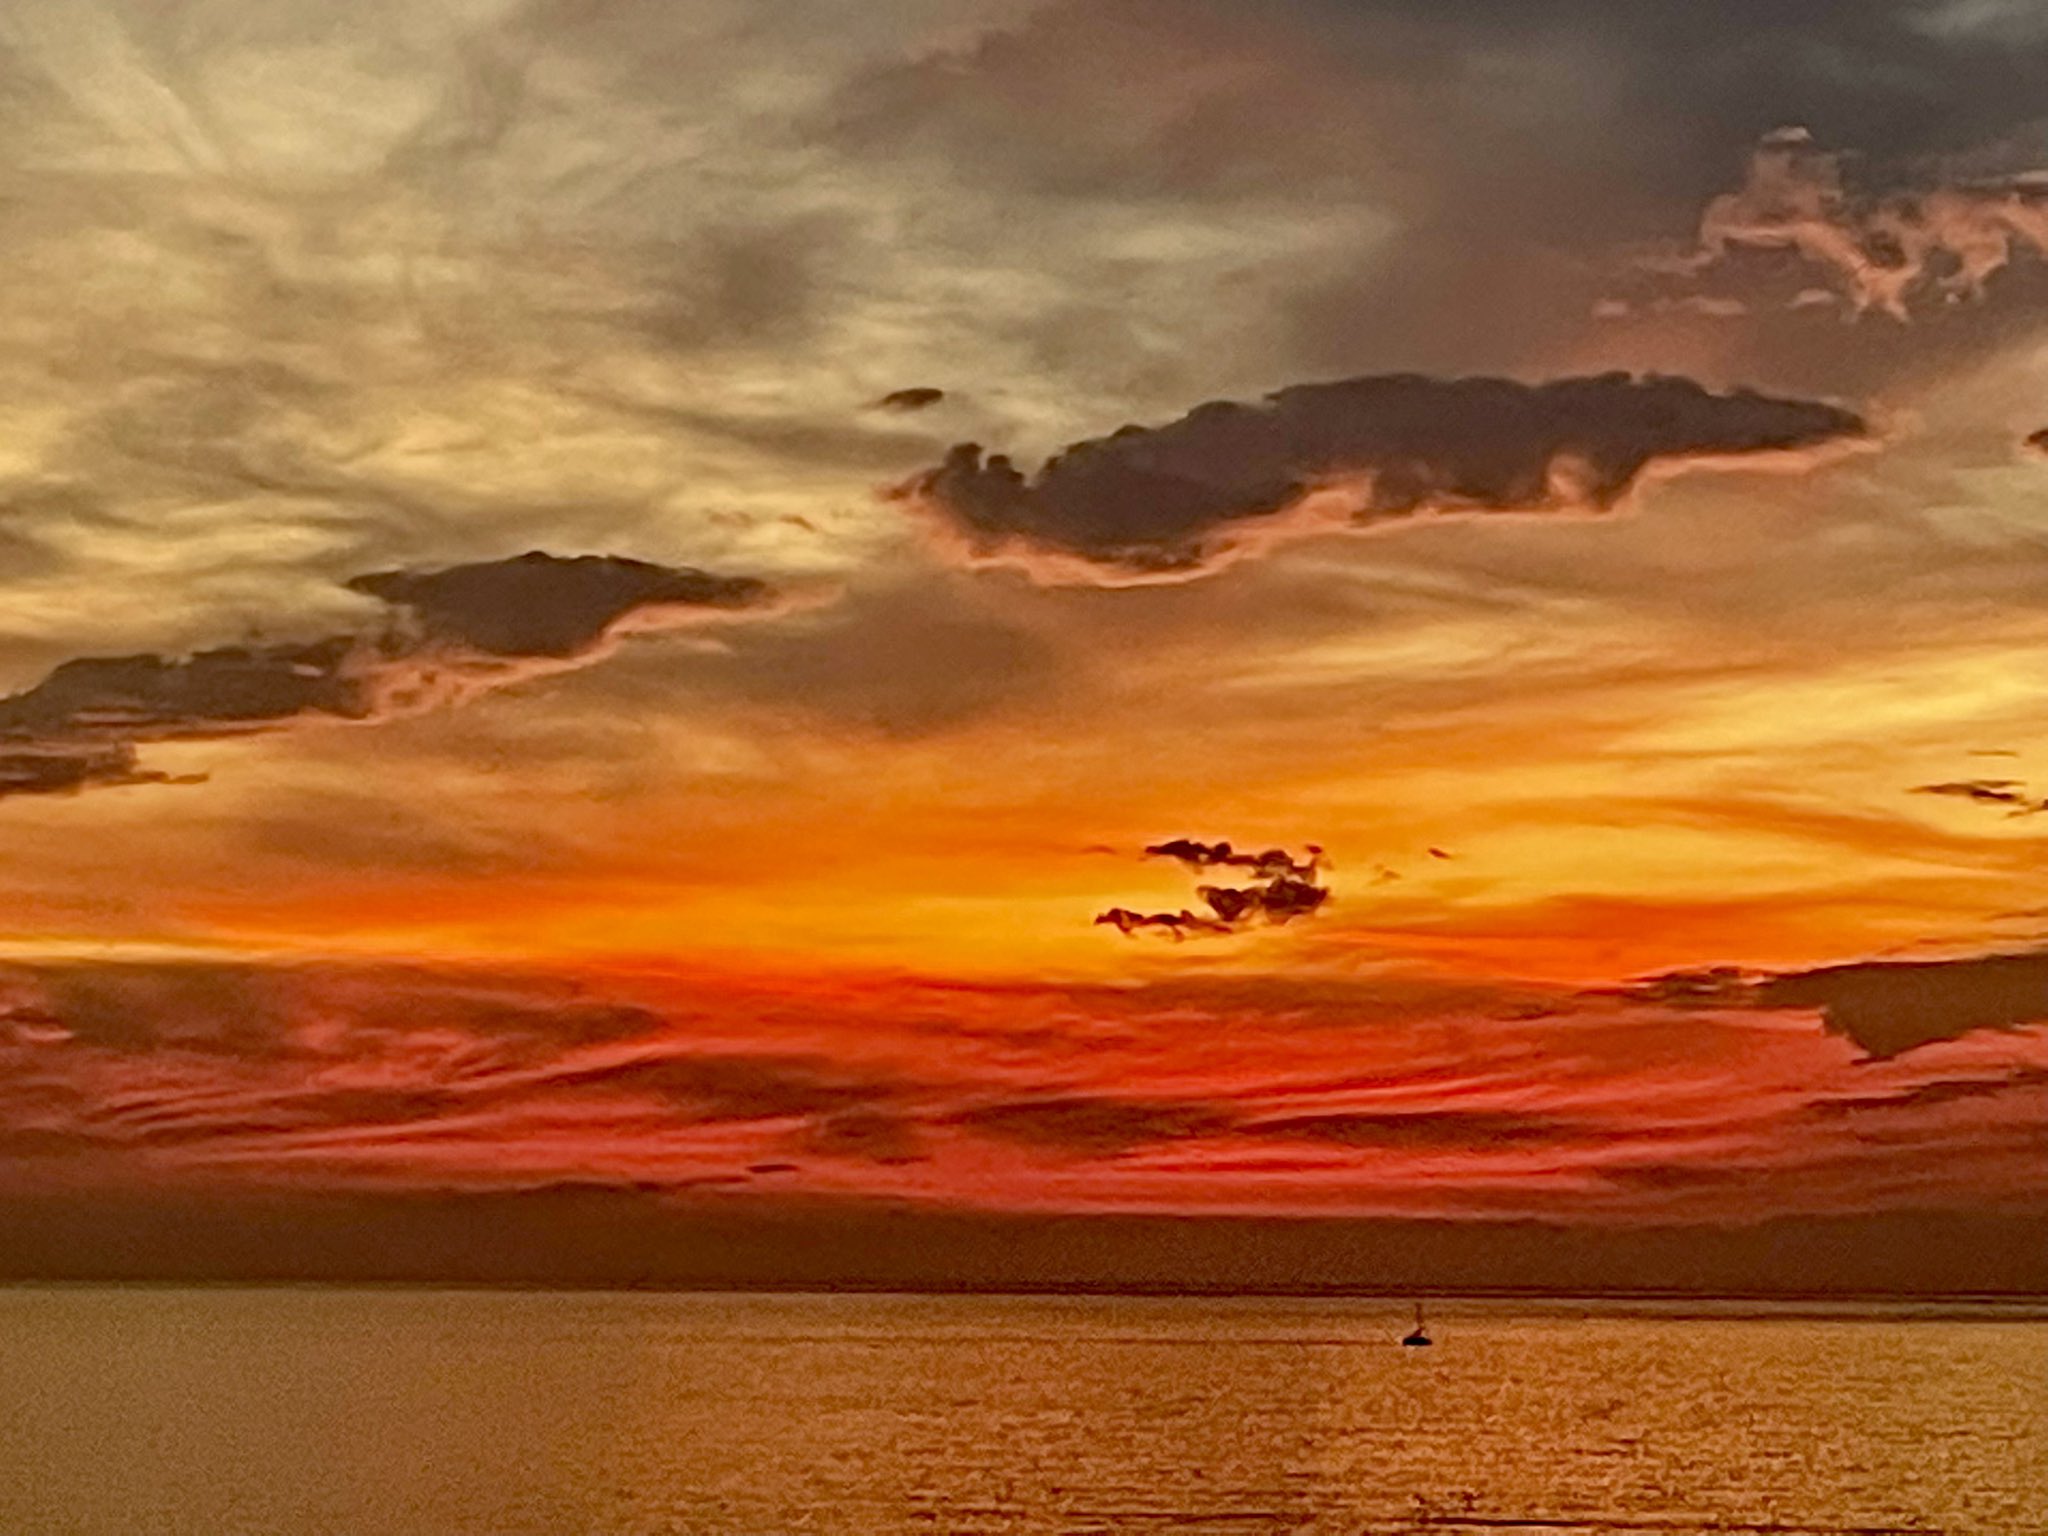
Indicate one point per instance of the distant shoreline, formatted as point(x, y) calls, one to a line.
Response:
point(1663, 1305)
point(606, 1240)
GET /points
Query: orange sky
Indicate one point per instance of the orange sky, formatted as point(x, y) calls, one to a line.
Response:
point(757, 859)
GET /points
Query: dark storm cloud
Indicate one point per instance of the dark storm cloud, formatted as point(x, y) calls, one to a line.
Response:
point(1514, 146)
point(1176, 499)
point(1899, 77)
point(1887, 1007)
point(458, 630)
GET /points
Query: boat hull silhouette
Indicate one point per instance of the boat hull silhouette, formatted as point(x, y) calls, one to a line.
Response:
point(1419, 1339)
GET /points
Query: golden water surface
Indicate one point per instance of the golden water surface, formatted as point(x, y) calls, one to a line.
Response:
point(443, 1413)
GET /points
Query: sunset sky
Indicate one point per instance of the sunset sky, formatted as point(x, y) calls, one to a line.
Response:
point(599, 596)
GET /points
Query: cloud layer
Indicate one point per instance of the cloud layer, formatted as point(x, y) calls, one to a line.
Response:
point(1197, 1094)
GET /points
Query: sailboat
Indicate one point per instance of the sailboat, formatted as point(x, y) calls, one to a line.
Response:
point(1419, 1339)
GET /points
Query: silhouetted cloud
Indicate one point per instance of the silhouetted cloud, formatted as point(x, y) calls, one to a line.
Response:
point(55, 769)
point(1887, 1007)
point(1278, 900)
point(546, 605)
point(460, 630)
point(1177, 499)
point(2010, 793)
point(1984, 791)
point(77, 729)
point(1283, 888)
point(1268, 863)
point(1890, 1007)
point(917, 398)
point(1179, 924)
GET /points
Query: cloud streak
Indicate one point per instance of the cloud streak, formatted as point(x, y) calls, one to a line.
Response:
point(918, 397)
point(2009, 793)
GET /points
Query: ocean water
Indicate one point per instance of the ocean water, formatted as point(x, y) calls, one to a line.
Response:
point(292, 1412)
